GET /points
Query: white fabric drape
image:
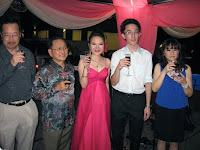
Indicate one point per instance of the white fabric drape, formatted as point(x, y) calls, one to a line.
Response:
point(62, 20)
point(4, 5)
point(178, 32)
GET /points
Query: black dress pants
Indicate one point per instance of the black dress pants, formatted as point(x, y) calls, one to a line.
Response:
point(124, 107)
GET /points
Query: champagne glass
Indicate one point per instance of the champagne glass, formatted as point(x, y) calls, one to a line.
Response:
point(21, 51)
point(88, 53)
point(129, 57)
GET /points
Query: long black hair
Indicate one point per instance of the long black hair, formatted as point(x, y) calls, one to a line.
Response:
point(172, 43)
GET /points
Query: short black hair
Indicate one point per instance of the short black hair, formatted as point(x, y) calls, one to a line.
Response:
point(129, 21)
point(10, 21)
point(50, 43)
point(97, 32)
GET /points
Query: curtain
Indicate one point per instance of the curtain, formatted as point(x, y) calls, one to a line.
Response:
point(179, 13)
point(70, 14)
point(4, 5)
point(140, 10)
point(178, 32)
point(75, 14)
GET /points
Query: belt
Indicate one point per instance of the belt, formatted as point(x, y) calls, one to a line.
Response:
point(18, 104)
point(128, 94)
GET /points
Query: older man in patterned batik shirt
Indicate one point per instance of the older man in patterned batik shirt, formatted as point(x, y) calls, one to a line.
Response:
point(54, 86)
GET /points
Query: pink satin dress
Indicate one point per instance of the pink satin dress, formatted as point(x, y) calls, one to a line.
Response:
point(92, 125)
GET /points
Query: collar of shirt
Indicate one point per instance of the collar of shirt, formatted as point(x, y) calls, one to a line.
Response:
point(126, 50)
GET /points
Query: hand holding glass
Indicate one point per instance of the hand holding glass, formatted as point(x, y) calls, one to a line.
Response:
point(88, 54)
point(21, 51)
point(173, 72)
point(129, 57)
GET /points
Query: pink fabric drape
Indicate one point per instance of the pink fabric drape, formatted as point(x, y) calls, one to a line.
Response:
point(179, 13)
point(79, 8)
point(69, 14)
point(75, 14)
point(141, 11)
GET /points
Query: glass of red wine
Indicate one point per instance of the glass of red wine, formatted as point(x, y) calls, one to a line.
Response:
point(66, 77)
point(21, 51)
point(129, 57)
point(88, 53)
point(173, 73)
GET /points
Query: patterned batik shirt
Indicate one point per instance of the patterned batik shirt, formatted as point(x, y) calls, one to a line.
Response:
point(58, 106)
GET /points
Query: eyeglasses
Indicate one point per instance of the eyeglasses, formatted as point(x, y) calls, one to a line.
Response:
point(60, 48)
point(7, 36)
point(129, 32)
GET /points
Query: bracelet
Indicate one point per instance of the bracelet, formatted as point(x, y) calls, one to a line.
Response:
point(185, 86)
point(148, 106)
point(84, 76)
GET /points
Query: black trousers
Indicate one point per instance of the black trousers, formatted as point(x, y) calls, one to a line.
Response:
point(124, 107)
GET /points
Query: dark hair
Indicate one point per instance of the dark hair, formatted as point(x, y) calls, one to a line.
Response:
point(175, 44)
point(50, 43)
point(97, 32)
point(129, 21)
point(10, 21)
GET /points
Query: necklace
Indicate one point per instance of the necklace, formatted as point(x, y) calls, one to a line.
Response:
point(96, 63)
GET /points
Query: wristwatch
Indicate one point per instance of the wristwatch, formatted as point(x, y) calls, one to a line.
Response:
point(148, 106)
point(185, 86)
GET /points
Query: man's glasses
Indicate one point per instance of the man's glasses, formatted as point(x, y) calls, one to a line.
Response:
point(59, 48)
point(7, 36)
point(129, 32)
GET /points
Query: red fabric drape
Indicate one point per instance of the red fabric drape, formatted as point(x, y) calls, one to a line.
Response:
point(179, 13)
point(79, 8)
point(141, 11)
point(74, 14)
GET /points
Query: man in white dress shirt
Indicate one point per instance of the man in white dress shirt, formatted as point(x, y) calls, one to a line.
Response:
point(131, 81)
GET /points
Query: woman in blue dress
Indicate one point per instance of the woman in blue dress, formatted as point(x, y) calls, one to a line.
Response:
point(172, 80)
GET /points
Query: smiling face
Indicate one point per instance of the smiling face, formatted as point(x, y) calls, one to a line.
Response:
point(58, 51)
point(131, 34)
point(11, 36)
point(171, 52)
point(96, 45)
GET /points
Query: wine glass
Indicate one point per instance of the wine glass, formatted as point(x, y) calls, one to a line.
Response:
point(88, 53)
point(65, 77)
point(21, 51)
point(173, 72)
point(129, 57)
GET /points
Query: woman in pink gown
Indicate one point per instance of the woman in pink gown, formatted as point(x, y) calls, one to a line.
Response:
point(92, 125)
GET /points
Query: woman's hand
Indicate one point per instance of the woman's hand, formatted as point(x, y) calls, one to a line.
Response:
point(181, 80)
point(86, 61)
point(169, 67)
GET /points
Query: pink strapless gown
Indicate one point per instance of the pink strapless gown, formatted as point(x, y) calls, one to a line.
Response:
point(92, 126)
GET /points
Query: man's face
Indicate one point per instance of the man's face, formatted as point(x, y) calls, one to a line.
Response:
point(11, 36)
point(131, 34)
point(59, 51)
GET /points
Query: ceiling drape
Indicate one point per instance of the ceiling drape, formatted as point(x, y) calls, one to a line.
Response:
point(4, 5)
point(75, 14)
point(69, 14)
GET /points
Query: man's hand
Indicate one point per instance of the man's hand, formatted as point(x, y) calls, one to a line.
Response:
point(62, 86)
point(17, 58)
point(123, 63)
point(147, 113)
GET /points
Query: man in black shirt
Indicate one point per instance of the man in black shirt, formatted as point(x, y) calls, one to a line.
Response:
point(19, 114)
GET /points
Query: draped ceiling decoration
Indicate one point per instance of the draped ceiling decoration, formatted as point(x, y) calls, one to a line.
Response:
point(75, 14)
